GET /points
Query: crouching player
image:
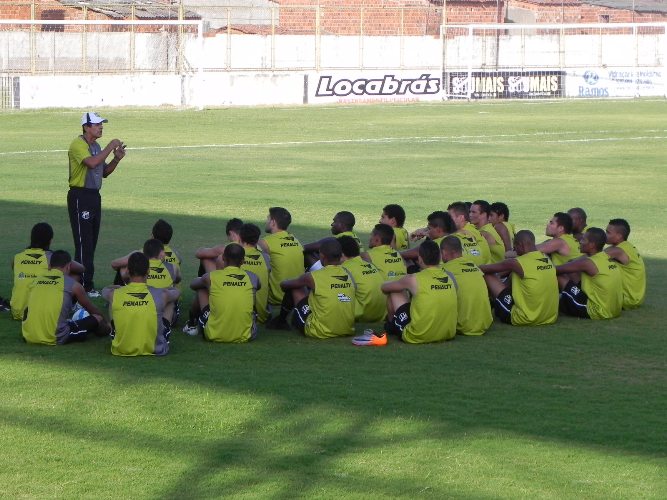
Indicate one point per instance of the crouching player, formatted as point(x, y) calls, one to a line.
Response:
point(227, 299)
point(50, 299)
point(137, 312)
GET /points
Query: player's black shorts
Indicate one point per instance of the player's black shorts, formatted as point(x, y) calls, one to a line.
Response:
point(574, 301)
point(301, 312)
point(397, 323)
point(503, 305)
point(79, 329)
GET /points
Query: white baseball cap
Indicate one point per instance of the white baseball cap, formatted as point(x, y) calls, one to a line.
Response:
point(92, 118)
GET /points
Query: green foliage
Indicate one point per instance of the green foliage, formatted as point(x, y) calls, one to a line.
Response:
point(572, 410)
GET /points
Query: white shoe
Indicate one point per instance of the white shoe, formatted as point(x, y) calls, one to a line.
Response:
point(190, 330)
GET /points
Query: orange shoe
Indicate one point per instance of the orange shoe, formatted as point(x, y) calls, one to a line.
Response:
point(369, 337)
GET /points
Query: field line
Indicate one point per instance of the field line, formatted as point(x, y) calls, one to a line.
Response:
point(477, 139)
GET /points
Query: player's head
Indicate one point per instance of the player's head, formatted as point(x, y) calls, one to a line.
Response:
point(249, 234)
point(499, 212)
point(137, 265)
point(342, 222)
point(479, 212)
point(618, 230)
point(41, 235)
point(233, 255)
point(559, 224)
point(153, 248)
point(330, 251)
point(393, 214)
point(59, 259)
point(578, 216)
point(278, 217)
point(429, 253)
point(439, 224)
point(459, 213)
point(382, 234)
point(232, 229)
point(162, 231)
point(92, 121)
point(524, 242)
point(450, 248)
point(349, 246)
point(593, 241)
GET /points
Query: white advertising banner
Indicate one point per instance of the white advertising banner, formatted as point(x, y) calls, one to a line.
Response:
point(615, 82)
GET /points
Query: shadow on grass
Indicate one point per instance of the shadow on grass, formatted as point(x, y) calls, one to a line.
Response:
point(579, 383)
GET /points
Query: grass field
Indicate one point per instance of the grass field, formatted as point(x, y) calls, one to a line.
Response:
point(572, 410)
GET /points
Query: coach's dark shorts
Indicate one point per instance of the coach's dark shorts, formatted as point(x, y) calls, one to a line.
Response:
point(574, 301)
point(503, 305)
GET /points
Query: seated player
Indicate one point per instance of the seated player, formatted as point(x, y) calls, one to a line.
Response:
point(428, 314)
point(137, 312)
point(284, 250)
point(342, 225)
point(28, 264)
point(479, 217)
point(50, 300)
point(579, 226)
point(474, 244)
point(532, 297)
point(160, 275)
point(227, 299)
point(210, 259)
point(382, 255)
point(163, 232)
point(562, 247)
point(592, 285)
point(474, 311)
point(324, 300)
point(393, 215)
point(370, 305)
point(499, 216)
point(633, 270)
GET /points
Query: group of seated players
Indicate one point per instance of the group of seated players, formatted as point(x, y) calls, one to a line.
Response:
point(467, 261)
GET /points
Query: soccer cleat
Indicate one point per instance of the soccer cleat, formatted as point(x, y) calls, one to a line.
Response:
point(369, 337)
point(94, 294)
point(190, 330)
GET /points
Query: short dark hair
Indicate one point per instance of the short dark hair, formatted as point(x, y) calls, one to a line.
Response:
point(162, 231)
point(563, 219)
point(622, 226)
point(452, 244)
point(137, 264)
point(429, 251)
point(349, 246)
point(596, 236)
point(524, 236)
point(580, 212)
point(250, 233)
point(152, 248)
point(442, 220)
point(234, 254)
point(459, 208)
point(346, 219)
point(484, 206)
point(41, 235)
point(385, 232)
point(394, 211)
point(59, 259)
point(331, 249)
point(500, 208)
point(282, 217)
point(233, 224)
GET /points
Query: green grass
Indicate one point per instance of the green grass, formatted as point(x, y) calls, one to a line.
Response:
point(572, 410)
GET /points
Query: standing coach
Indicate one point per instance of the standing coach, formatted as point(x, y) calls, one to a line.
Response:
point(87, 167)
